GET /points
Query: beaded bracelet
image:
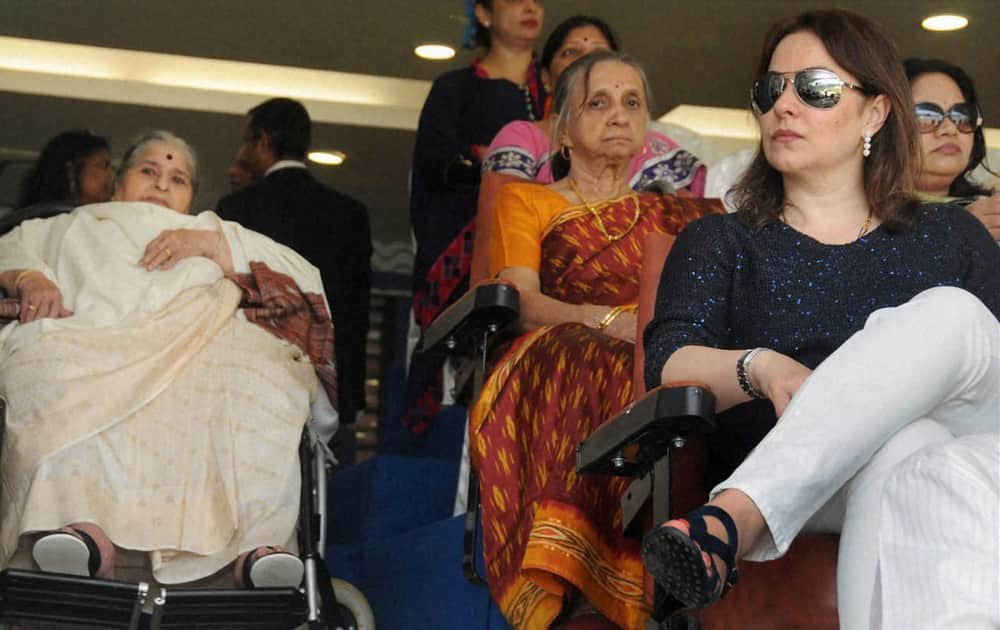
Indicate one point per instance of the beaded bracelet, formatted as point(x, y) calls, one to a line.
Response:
point(743, 373)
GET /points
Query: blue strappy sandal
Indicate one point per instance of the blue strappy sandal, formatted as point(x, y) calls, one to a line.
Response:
point(674, 558)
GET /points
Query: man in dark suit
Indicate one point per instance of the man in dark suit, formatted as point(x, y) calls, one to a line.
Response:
point(326, 227)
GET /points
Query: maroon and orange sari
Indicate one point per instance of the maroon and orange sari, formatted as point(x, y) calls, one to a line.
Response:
point(547, 531)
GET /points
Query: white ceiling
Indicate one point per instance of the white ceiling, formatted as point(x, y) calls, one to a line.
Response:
point(698, 53)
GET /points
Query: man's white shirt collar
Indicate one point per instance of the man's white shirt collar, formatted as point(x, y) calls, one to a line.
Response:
point(280, 164)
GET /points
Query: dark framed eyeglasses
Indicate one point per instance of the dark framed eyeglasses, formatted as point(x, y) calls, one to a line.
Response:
point(816, 87)
point(965, 116)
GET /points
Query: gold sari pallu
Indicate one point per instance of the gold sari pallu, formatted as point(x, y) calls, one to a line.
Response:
point(546, 530)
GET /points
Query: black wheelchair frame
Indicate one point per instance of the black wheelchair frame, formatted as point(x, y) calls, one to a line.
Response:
point(465, 330)
point(35, 599)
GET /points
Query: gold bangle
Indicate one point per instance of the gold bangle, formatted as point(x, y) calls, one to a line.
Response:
point(609, 317)
point(20, 276)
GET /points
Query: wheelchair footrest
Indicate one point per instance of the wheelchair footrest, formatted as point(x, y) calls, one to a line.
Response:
point(50, 600)
point(64, 602)
point(259, 609)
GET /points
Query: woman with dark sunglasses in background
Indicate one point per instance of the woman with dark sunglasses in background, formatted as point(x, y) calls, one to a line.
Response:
point(831, 299)
point(951, 137)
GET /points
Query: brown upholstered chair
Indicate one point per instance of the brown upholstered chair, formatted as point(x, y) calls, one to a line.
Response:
point(797, 591)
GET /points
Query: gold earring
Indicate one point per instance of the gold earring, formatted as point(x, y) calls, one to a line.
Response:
point(564, 152)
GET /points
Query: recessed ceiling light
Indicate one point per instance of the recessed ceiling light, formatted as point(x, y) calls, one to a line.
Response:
point(944, 22)
point(434, 51)
point(328, 158)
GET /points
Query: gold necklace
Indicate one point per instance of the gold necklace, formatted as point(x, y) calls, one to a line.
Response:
point(597, 216)
point(867, 224)
point(864, 227)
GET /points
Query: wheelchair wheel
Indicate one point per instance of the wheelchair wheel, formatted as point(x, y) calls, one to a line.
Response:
point(353, 606)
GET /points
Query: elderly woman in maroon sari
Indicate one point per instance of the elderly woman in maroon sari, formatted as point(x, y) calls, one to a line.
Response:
point(553, 542)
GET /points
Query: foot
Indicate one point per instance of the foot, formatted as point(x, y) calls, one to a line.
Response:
point(268, 567)
point(78, 549)
point(689, 560)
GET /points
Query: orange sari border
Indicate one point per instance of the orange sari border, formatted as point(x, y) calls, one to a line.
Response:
point(498, 377)
point(563, 536)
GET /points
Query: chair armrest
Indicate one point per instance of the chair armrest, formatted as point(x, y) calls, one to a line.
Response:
point(629, 444)
point(461, 328)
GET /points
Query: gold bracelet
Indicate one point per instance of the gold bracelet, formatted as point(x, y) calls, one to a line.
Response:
point(615, 311)
point(20, 276)
point(609, 317)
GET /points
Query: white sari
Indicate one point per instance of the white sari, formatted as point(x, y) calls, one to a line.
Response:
point(155, 411)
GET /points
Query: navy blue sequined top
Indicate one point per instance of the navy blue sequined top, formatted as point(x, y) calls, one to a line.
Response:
point(729, 286)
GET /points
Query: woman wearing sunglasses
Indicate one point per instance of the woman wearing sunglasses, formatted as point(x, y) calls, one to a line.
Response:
point(831, 299)
point(951, 137)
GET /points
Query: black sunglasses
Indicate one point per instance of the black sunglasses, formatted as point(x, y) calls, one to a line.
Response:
point(966, 117)
point(816, 87)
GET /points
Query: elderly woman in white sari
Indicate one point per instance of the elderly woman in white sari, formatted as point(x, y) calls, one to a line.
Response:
point(145, 410)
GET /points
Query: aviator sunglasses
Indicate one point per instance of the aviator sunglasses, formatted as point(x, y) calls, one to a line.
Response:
point(816, 87)
point(965, 116)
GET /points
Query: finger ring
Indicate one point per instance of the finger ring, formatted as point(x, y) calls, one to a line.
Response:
point(169, 253)
point(32, 307)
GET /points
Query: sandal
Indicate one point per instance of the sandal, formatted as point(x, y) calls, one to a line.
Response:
point(276, 569)
point(68, 553)
point(676, 560)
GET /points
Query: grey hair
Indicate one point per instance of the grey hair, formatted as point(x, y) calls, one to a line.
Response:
point(142, 142)
point(579, 70)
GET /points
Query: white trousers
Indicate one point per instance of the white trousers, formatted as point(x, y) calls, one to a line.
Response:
point(915, 375)
point(939, 539)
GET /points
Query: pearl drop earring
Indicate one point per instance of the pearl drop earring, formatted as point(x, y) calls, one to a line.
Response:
point(868, 145)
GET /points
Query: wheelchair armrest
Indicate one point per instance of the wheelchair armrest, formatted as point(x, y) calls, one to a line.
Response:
point(629, 444)
point(460, 329)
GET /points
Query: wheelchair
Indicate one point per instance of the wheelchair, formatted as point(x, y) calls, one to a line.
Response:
point(35, 599)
